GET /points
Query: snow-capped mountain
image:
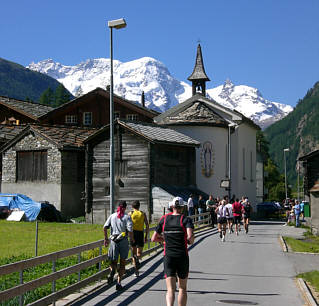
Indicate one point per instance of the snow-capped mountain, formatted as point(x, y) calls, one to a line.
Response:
point(162, 90)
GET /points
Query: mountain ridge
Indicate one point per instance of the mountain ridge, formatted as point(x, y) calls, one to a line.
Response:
point(162, 90)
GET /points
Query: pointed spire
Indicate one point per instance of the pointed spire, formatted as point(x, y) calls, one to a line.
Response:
point(199, 70)
point(199, 76)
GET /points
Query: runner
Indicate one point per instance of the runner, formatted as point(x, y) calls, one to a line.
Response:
point(121, 227)
point(211, 206)
point(230, 217)
point(237, 212)
point(247, 210)
point(176, 231)
point(139, 219)
point(222, 212)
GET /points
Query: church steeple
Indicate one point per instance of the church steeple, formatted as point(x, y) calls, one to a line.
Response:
point(199, 77)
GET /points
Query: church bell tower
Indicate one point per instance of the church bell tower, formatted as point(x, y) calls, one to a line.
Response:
point(199, 77)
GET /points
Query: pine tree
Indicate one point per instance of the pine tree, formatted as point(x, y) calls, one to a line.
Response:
point(47, 97)
point(61, 96)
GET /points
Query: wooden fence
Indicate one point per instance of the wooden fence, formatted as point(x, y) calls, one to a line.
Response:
point(201, 221)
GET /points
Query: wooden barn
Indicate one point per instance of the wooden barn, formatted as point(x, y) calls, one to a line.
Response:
point(146, 156)
point(92, 110)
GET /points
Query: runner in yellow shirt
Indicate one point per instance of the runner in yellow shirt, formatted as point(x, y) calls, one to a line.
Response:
point(139, 219)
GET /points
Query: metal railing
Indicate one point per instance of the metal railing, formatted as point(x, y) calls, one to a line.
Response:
point(201, 221)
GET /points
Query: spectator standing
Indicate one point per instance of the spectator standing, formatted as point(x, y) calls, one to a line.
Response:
point(139, 219)
point(175, 230)
point(297, 213)
point(190, 205)
point(211, 206)
point(121, 227)
point(201, 206)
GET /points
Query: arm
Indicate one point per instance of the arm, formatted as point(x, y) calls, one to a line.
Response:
point(106, 239)
point(190, 235)
point(157, 237)
point(147, 227)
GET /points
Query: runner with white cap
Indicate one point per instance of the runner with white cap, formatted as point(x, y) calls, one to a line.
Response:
point(176, 231)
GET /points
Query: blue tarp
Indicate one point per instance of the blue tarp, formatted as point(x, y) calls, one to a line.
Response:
point(22, 202)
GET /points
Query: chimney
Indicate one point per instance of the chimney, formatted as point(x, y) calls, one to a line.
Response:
point(143, 99)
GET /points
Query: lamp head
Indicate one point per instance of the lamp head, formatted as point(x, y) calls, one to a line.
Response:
point(117, 23)
point(286, 150)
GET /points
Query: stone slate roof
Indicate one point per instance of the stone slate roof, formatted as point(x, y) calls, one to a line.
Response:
point(199, 70)
point(30, 109)
point(62, 136)
point(8, 132)
point(158, 134)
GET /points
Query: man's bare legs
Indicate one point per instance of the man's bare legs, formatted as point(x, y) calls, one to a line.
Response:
point(182, 291)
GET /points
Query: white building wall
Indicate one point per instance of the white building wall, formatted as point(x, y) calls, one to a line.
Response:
point(244, 162)
point(218, 138)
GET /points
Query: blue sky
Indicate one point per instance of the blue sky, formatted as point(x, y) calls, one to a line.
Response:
point(268, 44)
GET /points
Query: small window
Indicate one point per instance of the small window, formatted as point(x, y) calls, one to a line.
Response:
point(132, 117)
point(87, 118)
point(71, 119)
point(32, 165)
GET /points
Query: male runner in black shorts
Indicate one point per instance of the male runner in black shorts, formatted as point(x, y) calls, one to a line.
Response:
point(177, 231)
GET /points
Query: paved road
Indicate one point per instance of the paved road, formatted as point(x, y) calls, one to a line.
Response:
point(245, 270)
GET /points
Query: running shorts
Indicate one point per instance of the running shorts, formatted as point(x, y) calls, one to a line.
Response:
point(222, 220)
point(118, 248)
point(176, 265)
point(138, 239)
point(237, 219)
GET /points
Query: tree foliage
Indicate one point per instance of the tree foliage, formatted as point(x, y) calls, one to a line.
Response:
point(298, 131)
point(55, 98)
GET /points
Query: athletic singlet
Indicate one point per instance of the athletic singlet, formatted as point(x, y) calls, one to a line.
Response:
point(175, 236)
point(137, 217)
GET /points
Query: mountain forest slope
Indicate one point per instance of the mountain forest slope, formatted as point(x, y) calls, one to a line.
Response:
point(298, 131)
point(21, 83)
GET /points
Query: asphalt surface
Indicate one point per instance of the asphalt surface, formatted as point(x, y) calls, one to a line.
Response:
point(249, 269)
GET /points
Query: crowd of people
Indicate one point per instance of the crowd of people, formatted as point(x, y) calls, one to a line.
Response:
point(294, 211)
point(223, 212)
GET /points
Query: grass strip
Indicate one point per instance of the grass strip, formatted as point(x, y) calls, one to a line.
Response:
point(312, 278)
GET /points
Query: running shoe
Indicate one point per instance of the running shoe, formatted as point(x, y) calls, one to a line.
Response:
point(237, 233)
point(119, 287)
point(137, 274)
point(220, 234)
point(223, 239)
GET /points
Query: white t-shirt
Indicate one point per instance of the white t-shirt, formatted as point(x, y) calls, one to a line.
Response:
point(222, 210)
point(230, 210)
point(190, 203)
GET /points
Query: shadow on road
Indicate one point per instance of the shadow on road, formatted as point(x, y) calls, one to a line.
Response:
point(221, 292)
point(203, 235)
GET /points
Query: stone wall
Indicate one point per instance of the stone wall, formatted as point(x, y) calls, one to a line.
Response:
point(29, 143)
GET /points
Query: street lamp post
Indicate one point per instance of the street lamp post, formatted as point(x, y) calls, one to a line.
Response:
point(286, 150)
point(112, 24)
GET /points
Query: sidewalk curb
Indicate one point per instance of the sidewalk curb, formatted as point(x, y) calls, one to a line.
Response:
point(306, 292)
point(283, 244)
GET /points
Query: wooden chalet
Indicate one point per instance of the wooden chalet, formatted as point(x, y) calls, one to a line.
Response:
point(46, 163)
point(92, 110)
point(310, 164)
point(15, 112)
point(146, 156)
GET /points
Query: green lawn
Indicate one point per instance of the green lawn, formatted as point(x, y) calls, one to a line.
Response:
point(309, 244)
point(18, 238)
